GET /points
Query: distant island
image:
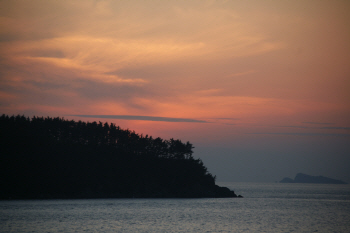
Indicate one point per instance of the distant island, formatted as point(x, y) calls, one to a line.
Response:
point(46, 158)
point(303, 178)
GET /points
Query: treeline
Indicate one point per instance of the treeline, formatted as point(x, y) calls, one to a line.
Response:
point(57, 158)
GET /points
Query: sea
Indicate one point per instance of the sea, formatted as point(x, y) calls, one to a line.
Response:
point(266, 207)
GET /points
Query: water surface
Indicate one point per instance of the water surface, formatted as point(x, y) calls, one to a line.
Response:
point(265, 208)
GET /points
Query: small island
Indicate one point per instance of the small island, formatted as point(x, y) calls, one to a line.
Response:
point(303, 178)
point(53, 158)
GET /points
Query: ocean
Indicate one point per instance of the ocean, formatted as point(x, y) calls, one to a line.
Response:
point(266, 207)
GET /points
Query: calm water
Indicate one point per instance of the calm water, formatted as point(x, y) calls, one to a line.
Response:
point(266, 208)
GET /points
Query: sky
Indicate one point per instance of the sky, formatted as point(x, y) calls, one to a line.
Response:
point(260, 88)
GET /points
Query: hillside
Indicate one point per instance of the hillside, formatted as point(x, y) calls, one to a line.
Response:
point(57, 158)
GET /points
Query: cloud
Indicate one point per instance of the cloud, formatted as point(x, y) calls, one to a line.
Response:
point(308, 127)
point(342, 128)
point(295, 126)
point(305, 134)
point(318, 123)
point(143, 118)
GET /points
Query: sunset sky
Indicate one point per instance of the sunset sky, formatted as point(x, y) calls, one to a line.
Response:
point(260, 88)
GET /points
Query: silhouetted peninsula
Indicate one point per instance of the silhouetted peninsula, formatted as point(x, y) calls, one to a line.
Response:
point(303, 178)
point(56, 158)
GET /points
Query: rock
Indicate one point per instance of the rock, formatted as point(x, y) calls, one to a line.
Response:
point(287, 180)
point(303, 178)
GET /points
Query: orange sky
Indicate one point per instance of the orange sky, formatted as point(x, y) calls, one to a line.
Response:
point(256, 72)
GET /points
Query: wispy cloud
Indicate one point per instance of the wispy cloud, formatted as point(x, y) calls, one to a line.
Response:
point(143, 118)
point(341, 128)
point(318, 123)
point(318, 127)
point(306, 134)
point(295, 126)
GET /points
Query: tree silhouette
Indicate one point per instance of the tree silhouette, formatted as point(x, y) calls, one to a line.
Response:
point(57, 158)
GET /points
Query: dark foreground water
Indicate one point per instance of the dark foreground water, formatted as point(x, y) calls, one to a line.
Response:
point(265, 208)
